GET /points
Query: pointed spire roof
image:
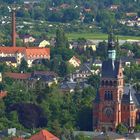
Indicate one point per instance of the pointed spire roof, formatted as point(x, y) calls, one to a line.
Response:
point(111, 40)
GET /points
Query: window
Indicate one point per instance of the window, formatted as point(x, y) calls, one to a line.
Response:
point(108, 95)
point(106, 83)
point(110, 83)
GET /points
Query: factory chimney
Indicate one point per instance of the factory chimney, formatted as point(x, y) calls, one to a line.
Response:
point(13, 27)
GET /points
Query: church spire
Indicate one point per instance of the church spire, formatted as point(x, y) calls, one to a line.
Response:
point(111, 46)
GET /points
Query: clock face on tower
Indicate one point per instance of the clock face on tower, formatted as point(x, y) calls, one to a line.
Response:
point(108, 111)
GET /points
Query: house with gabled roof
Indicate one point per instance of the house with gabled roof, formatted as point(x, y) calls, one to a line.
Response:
point(44, 135)
point(75, 61)
point(83, 73)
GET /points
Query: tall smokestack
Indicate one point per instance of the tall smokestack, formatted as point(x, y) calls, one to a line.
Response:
point(13, 28)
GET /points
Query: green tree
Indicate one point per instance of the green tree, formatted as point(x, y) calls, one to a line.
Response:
point(89, 17)
point(70, 14)
point(137, 128)
point(82, 137)
point(94, 80)
point(63, 69)
point(23, 66)
point(122, 129)
point(61, 39)
point(102, 50)
point(17, 92)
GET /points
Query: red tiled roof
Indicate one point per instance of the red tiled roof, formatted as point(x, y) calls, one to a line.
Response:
point(18, 75)
point(76, 59)
point(44, 135)
point(37, 52)
point(9, 50)
point(30, 51)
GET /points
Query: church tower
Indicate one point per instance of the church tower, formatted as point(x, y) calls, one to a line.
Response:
point(107, 104)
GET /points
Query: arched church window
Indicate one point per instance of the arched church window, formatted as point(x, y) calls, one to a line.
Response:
point(106, 83)
point(110, 83)
point(106, 95)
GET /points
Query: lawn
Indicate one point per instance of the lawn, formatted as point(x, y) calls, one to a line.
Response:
point(98, 36)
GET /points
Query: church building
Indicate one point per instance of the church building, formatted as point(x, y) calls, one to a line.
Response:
point(115, 101)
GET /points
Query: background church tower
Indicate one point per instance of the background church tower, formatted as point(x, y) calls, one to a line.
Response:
point(107, 104)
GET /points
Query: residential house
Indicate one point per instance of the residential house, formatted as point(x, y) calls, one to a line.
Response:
point(10, 61)
point(75, 61)
point(114, 7)
point(87, 10)
point(83, 45)
point(90, 44)
point(131, 14)
point(31, 1)
point(13, 132)
point(46, 78)
point(71, 86)
point(27, 38)
point(44, 43)
point(83, 73)
point(44, 135)
point(97, 63)
point(30, 54)
point(138, 61)
point(126, 61)
point(64, 6)
point(8, 132)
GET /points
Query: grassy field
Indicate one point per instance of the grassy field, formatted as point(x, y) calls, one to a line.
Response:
point(98, 36)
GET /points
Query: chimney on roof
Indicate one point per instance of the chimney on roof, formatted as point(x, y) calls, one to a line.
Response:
point(13, 27)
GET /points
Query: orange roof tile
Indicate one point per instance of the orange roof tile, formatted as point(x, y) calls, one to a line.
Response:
point(9, 50)
point(30, 51)
point(44, 135)
point(37, 52)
